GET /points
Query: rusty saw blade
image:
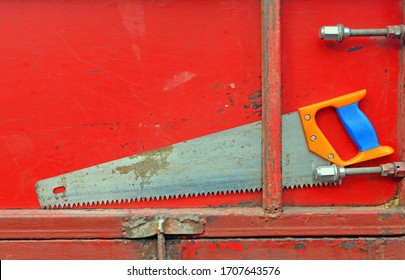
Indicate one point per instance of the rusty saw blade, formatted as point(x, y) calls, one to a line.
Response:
point(223, 162)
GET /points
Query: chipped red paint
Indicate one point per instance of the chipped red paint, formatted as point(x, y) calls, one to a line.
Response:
point(299, 248)
point(214, 246)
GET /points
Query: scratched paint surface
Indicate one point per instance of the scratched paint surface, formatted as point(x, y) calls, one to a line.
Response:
point(316, 70)
point(86, 82)
point(289, 249)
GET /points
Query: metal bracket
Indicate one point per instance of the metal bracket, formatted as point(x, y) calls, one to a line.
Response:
point(161, 225)
point(146, 226)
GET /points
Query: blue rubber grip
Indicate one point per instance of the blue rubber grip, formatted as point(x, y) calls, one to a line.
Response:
point(358, 126)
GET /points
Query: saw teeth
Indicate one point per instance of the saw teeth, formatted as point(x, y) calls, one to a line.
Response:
point(139, 199)
point(319, 184)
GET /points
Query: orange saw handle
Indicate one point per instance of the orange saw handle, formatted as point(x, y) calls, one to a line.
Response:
point(357, 125)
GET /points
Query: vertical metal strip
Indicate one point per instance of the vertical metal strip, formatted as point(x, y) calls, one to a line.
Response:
point(161, 240)
point(401, 112)
point(271, 96)
point(161, 246)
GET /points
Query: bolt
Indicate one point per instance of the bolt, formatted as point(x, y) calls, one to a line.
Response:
point(334, 173)
point(307, 117)
point(313, 138)
point(339, 32)
point(396, 169)
point(331, 156)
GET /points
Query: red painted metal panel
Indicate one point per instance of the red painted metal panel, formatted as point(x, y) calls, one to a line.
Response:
point(78, 250)
point(281, 249)
point(315, 70)
point(88, 82)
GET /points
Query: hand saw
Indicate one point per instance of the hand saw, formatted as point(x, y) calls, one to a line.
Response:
point(223, 162)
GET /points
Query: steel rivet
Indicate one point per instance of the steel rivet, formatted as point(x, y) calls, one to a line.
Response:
point(307, 117)
point(313, 138)
point(331, 156)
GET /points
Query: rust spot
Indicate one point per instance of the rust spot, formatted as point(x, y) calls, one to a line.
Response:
point(254, 102)
point(149, 164)
point(255, 95)
point(287, 159)
point(384, 216)
point(355, 48)
point(386, 231)
point(300, 246)
point(348, 244)
point(231, 99)
point(246, 204)
point(395, 202)
point(94, 71)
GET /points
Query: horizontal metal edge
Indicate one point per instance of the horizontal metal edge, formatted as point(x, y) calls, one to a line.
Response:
point(218, 222)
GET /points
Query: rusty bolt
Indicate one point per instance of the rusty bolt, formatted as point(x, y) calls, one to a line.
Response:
point(400, 169)
point(396, 169)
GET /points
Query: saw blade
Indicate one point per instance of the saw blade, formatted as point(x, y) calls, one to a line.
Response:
point(223, 162)
point(298, 163)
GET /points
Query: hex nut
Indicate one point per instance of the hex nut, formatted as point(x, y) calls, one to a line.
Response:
point(395, 31)
point(327, 174)
point(329, 33)
point(335, 33)
point(387, 169)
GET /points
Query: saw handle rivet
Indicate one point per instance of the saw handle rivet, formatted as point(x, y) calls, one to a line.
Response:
point(307, 117)
point(313, 138)
point(331, 156)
